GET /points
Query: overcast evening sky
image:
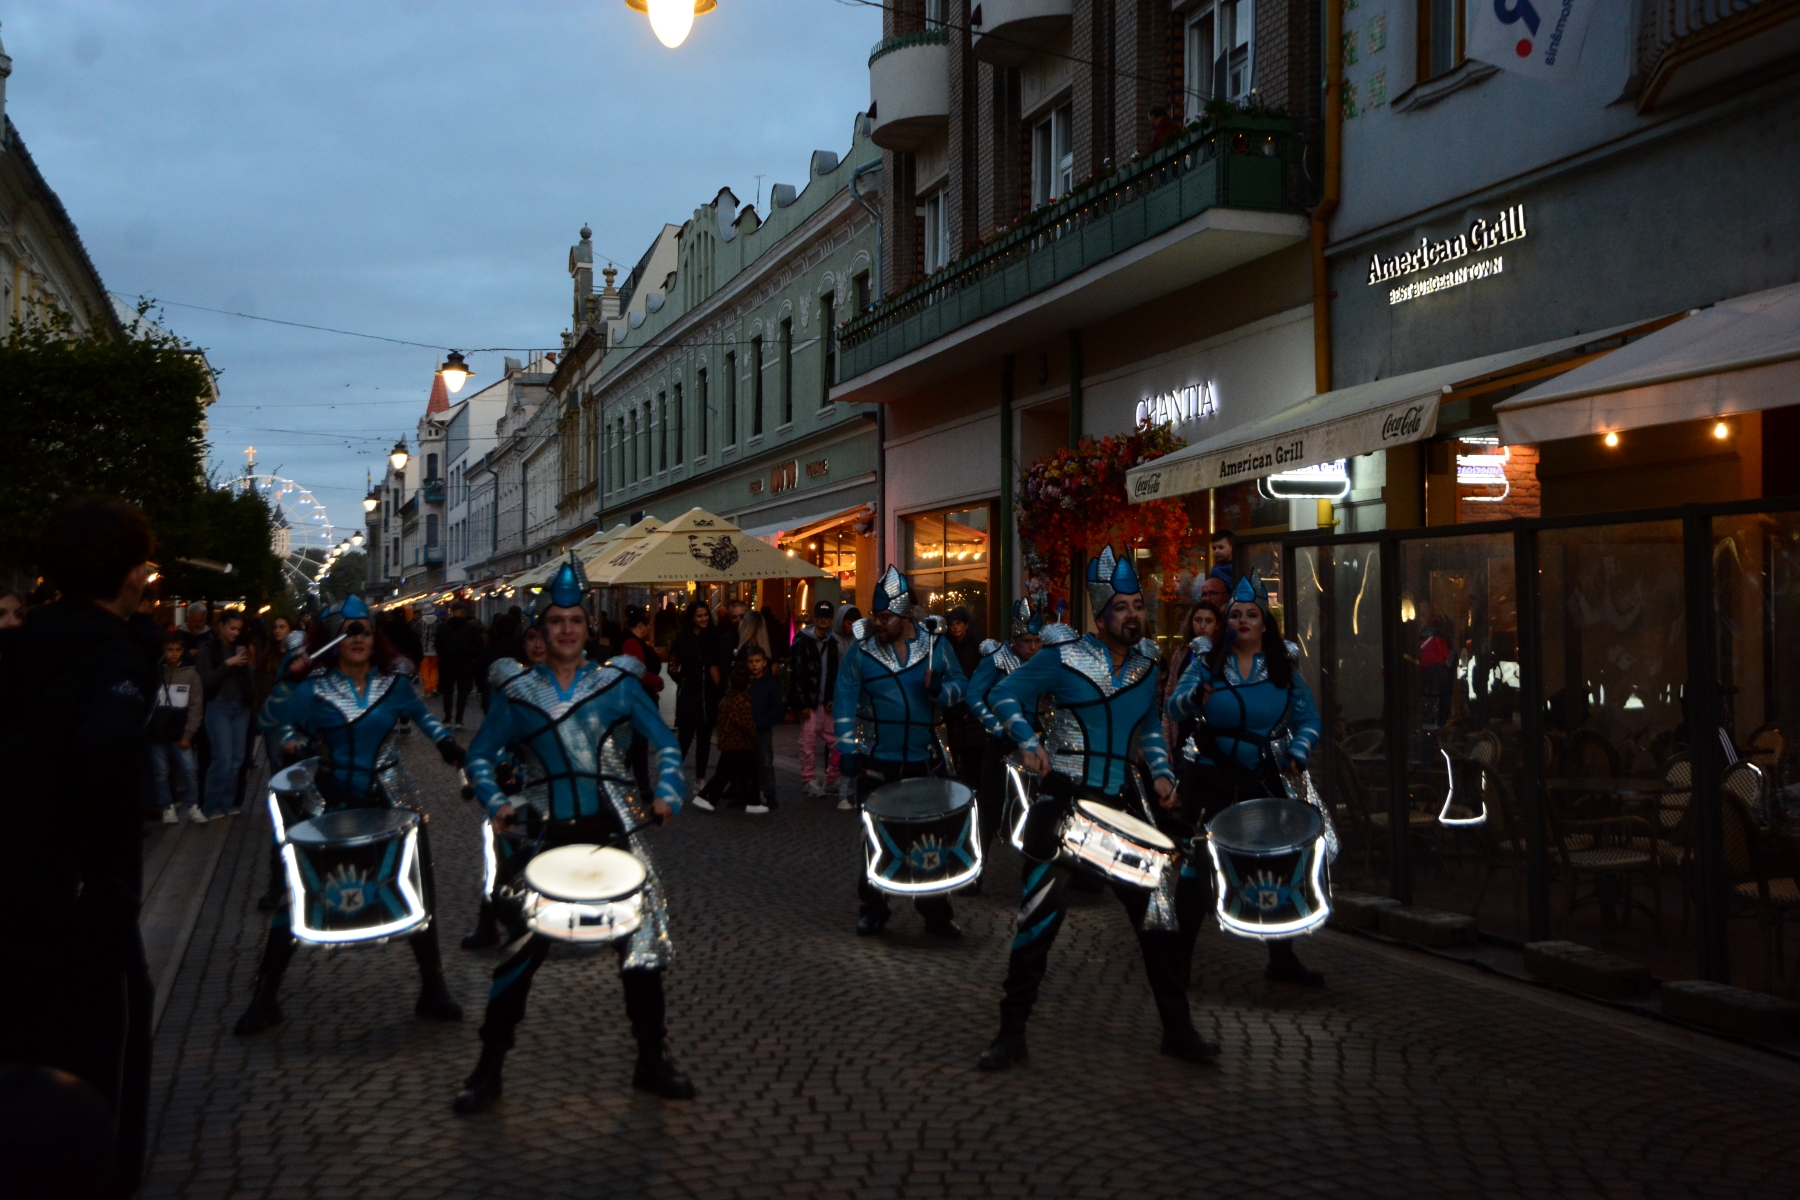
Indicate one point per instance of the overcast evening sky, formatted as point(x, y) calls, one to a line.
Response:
point(417, 170)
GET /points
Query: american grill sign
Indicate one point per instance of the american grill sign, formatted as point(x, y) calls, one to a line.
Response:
point(1227, 460)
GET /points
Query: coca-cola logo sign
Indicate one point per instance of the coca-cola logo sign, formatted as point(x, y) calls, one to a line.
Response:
point(1403, 424)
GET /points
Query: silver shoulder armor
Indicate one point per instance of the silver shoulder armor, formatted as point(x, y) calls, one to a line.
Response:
point(1149, 649)
point(1060, 634)
point(504, 671)
point(627, 663)
point(1201, 645)
point(988, 646)
point(1293, 649)
point(859, 629)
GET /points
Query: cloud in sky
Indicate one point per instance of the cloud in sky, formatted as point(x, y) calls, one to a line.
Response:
point(412, 169)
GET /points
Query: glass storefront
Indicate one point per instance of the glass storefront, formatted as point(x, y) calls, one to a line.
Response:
point(947, 562)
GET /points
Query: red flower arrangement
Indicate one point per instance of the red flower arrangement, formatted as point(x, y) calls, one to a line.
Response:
point(1076, 498)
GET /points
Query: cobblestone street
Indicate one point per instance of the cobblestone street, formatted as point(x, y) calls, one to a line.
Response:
point(829, 1065)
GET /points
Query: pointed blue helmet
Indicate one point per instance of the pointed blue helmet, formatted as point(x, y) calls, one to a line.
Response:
point(350, 608)
point(1250, 590)
point(892, 594)
point(1108, 575)
point(1025, 618)
point(564, 590)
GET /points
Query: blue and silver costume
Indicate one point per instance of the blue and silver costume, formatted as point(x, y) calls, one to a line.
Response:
point(1102, 720)
point(884, 712)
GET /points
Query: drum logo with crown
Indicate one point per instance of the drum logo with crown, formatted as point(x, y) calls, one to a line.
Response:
point(347, 890)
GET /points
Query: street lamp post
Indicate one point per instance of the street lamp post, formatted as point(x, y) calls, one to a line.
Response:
point(670, 20)
point(455, 371)
point(399, 457)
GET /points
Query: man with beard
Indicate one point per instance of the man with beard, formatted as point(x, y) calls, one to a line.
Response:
point(1104, 689)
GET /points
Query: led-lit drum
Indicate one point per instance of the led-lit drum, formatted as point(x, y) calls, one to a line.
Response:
point(354, 876)
point(922, 837)
point(293, 797)
point(1116, 844)
point(582, 893)
point(1269, 868)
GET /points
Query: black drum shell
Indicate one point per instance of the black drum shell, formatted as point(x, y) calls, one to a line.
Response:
point(1267, 825)
point(352, 882)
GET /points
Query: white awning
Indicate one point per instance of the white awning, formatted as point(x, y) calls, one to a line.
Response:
point(1344, 423)
point(1738, 356)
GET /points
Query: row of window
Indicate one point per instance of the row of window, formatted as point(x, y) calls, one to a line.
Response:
point(650, 437)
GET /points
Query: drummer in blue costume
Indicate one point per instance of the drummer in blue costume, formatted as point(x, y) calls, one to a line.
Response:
point(1256, 720)
point(1104, 690)
point(349, 702)
point(569, 725)
point(1000, 659)
point(888, 688)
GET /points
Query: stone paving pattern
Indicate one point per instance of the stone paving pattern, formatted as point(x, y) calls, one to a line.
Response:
point(835, 1066)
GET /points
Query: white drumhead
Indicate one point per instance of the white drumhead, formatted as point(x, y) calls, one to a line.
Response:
point(1123, 822)
point(585, 873)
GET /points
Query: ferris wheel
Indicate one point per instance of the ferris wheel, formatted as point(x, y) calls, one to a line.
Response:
point(302, 536)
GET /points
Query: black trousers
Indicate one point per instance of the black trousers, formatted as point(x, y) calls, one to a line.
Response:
point(644, 1005)
point(698, 733)
point(992, 789)
point(455, 689)
point(874, 901)
point(278, 950)
point(1043, 903)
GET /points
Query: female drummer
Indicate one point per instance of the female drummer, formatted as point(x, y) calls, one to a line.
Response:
point(349, 700)
point(1255, 720)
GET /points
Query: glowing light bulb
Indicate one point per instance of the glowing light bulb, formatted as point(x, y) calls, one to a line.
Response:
point(671, 20)
point(1612, 439)
point(1721, 431)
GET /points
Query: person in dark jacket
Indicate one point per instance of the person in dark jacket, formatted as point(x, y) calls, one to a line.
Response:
point(767, 708)
point(968, 739)
point(812, 676)
point(228, 673)
point(696, 668)
point(735, 777)
point(459, 647)
point(77, 690)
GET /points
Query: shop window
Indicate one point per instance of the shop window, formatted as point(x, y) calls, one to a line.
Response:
point(947, 560)
point(1440, 37)
point(1053, 156)
point(1220, 53)
point(937, 232)
point(863, 297)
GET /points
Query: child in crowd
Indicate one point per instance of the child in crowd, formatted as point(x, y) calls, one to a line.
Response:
point(735, 775)
point(179, 706)
point(768, 708)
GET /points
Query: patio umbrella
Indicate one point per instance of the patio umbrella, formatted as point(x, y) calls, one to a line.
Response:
point(696, 547)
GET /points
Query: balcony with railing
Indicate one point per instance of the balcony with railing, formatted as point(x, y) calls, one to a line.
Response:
point(433, 555)
point(1224, 194)
point(433, 490)
point(909, 88)
point(1007, 32)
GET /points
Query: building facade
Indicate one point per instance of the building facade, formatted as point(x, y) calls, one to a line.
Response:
point(1095, 212)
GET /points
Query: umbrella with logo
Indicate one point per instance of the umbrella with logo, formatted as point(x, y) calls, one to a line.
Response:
point(696, 547)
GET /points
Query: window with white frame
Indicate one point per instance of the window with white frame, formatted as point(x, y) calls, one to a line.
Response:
point(937, 231)
point(1053, 156)
point(1221, 53)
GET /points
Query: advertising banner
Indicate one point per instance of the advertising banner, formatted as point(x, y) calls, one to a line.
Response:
point(1538, 38)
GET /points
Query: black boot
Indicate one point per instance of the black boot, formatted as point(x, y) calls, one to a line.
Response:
point(435, 1002)
point(657, 1072)
point(1180, 1039)
point(481, 1088)
point(263, 1011)
point(1007, 1048)
point(1285, 967)
point(487, 930)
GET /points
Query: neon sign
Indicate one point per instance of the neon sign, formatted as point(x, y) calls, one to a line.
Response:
point(1326, 481)
point(1484, 470)
point(1195, 402)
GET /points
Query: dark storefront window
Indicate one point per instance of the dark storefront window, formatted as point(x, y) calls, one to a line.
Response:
point(947, 557)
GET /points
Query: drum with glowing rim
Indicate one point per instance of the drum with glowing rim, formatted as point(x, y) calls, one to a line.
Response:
point(1116, 844)
point(1269, 868)
point(921, 837)
point(354, 876)
point(586, 894)
point(293, 797)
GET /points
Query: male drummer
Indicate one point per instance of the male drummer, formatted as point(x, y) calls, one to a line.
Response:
point(564, 723)
point(1000, 660)
point(1104, 688)
point(888, 688)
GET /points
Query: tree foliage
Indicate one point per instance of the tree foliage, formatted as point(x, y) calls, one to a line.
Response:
point(348, 574)
point(93, 414)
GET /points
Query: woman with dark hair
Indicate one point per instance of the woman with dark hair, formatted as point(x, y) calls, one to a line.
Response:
point(348, 698)
point(694, 666)
point(1204, 620)
point(1254, 720)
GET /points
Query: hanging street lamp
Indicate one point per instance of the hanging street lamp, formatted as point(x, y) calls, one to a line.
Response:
point(399, 456)
point(670, 20)
point(455, 371)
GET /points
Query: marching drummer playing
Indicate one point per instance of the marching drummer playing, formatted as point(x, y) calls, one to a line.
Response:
point(888, 689)
point(348, 696)
point(1256, 721)
point(564, 724)
point(1104, 688)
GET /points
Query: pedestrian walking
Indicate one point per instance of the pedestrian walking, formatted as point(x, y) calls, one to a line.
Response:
point(766, 709)
point(735, 778)
point(695, 667)
point(812, 676)
point(194, 631)
point(77, 689)
point(176, 722)
point(637, 644)
point(226, 668)
point(425, 629)
point(752, 630)
point(459, 652)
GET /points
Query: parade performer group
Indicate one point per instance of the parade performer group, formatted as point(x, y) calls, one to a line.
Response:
point(1078, 713)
